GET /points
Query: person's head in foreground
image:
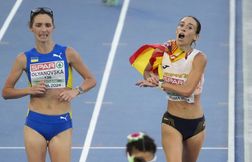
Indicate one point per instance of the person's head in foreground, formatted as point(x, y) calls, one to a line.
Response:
point(140, 148)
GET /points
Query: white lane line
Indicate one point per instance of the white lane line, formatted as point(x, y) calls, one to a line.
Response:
point(231, 87)
point(104, 102)
point(247, 88)
point(9, 18)
point(104, 82)
point(110, 148)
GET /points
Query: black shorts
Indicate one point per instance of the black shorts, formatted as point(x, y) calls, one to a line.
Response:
point(187, 127)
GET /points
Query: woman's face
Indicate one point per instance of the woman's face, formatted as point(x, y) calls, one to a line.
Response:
point(186, 32)
point(42, 27)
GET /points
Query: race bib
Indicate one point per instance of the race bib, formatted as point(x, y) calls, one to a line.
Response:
point(176, 97)
point(53, 73)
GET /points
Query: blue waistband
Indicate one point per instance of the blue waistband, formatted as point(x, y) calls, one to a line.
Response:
point(45, 118)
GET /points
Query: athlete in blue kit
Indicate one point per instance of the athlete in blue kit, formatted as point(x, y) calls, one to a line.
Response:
point(49, 70)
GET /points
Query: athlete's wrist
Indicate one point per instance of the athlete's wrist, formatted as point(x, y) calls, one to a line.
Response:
point(27, 91)
point(76, 91)
point(160, 84)
point(80, 90)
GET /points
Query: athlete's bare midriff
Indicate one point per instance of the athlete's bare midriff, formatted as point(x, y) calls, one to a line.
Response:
point(49, 103)
point(186, 110)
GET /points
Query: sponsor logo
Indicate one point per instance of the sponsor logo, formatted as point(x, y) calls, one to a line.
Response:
point(173, 80)
point(59, 64)
point(63, 118)
point(43, 66)
point(165, 66)
point(57, 55)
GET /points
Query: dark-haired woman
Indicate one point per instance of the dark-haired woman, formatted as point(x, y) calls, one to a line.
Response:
point(182, 69)
point(48, 67)
point(141, 148)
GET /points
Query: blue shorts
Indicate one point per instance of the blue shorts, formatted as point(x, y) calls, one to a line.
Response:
point(48, 125)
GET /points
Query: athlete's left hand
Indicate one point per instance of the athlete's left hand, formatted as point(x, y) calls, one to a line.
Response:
point(68, 95)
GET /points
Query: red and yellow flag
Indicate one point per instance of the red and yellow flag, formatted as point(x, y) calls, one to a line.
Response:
point(153, 54)
point(147, 54)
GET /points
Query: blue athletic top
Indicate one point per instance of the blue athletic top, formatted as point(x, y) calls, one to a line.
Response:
point(52, 67)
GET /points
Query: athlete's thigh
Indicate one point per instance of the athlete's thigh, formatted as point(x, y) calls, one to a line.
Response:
point(35, 145)
point(172, 143)
point(192, 147)
point(60, 146)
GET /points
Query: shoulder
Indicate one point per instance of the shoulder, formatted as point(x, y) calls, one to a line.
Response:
point(201, 55)
point(72, 54)
point(200, 58)
point(21, 57)
point(70, 51)
point(21, 60)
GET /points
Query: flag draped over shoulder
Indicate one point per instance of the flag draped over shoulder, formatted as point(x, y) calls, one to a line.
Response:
point(147, 54)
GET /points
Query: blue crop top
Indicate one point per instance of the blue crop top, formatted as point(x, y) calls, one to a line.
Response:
point(52, 67)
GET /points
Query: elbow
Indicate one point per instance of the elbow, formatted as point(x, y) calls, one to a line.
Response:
point(187, 92)
point(4, 95)
point(94, 83)
point(182, 90)
point(6, 98)
point(7, 94)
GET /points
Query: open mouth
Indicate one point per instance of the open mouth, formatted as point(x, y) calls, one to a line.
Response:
point(181, 36)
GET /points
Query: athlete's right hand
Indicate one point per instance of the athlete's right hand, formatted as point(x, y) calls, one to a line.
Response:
point(38, 89)
point(145, 83)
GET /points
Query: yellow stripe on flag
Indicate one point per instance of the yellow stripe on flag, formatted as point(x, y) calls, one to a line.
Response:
point(142, 60)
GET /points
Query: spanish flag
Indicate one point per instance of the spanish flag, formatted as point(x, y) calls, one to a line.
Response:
point(147, 53)
point(153, 54)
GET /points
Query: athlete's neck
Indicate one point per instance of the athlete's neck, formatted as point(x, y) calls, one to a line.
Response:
point(44, 47)
point(186, 49)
